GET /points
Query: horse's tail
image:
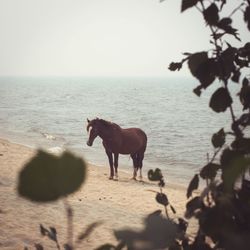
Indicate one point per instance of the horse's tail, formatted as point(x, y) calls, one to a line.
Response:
point(129, 157)
point(145, 140)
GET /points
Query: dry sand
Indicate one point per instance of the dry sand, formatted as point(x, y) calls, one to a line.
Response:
point(118, 204)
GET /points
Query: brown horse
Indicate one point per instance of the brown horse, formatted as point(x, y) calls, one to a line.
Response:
point(117, 141)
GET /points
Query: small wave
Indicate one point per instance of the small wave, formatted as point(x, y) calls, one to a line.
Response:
point(34, 130)
point(55, 150)
point(68, 96)
point(48, 136)
point(45, 135)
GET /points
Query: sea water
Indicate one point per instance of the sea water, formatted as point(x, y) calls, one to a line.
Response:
point(51, 113)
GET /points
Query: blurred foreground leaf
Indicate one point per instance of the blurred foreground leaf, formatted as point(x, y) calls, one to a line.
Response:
point(211, 14)
point(162, 199)
point(90, 228)
point(220, 100)
point(218, 139)
point(247, 16)
point(242, 144)
point(188, 4)
point(38, 247)
point(67, 247)
point(209, 171)
point(194, 183)
point(106, 247)
point(155, 175)
point(159, 233)
point(237, 167)
point(46, 177)
point(192, 206)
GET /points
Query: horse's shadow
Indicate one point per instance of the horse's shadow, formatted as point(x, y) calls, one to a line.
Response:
point(135, 182)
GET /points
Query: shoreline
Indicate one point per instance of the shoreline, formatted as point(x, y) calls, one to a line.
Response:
point(117, 204)
point(126, 170)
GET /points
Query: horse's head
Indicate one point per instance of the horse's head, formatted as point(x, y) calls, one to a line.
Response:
point(93, 130)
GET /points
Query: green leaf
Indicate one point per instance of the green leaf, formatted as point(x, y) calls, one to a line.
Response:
point(247, 16)
point(244, 120)
point(245, 94)
point(224, 22)
point(237, 167)
point(173, 209)
point(183, 224)
point(195, 60)
point(161, 183)
point(244, 52)
point(218, 139)
point(194, 183)
point(52, 234)
point(106, 247)
point(90, 228)
point(158, 233)
point(228, 156)
point(47, 177)
point(245, 82)
point(188, 4)
point(38, 246)
point(67, 247)
point(192, 206)
point(220, 100)
point(162, 199)
point(236, 76)
point(155, 175)
point(197, 90)
point(242, 144)
point(202, 68)
point(226, 65)
point(209, 171)
point(175, 66)
point(43, 230)
point(211, 14)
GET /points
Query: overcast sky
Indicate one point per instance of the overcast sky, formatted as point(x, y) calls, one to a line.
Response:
point(97, 37)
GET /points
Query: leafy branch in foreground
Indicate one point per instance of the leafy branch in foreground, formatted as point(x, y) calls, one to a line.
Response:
point(222, 208)
point(47, 178)
point(161, 197)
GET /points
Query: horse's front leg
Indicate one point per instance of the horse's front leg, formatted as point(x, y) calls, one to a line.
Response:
point(110, 156)
point(116, 156)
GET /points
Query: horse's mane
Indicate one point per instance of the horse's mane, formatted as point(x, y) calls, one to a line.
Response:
point(107, 123)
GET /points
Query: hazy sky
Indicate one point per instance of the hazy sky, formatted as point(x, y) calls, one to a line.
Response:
point(97, 37)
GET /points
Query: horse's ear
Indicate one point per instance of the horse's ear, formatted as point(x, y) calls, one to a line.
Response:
point(88, 120)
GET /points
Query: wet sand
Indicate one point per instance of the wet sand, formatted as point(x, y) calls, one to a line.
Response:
point(117, 204)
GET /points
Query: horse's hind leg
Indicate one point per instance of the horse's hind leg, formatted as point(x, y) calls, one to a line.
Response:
point(116, 164)
point(135, 164)
point(109, 154)
point(140, 164)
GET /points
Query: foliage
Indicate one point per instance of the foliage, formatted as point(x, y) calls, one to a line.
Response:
point(222, 209)
point(51, 234)
point(46, 177)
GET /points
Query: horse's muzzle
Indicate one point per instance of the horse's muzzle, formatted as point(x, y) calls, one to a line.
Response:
point(89, 144)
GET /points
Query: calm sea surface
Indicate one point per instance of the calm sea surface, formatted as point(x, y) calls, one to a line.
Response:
point(51, 113)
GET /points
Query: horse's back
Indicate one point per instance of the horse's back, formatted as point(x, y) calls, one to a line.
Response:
point(135, 136)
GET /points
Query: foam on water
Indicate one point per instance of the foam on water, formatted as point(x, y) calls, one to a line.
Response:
point(56, 150)
point(48, 136)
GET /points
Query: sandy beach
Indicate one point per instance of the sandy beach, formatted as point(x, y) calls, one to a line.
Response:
point(117, 204)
